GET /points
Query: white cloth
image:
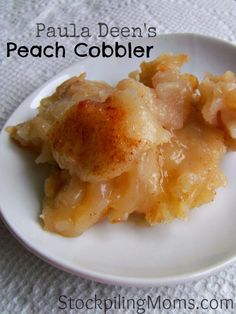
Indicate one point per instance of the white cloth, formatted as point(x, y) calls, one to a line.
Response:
point(28, 285)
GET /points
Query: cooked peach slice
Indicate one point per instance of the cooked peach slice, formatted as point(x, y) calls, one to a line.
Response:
point(72, 206)
point(190, 167)
point(174, 91)
point(218, 103)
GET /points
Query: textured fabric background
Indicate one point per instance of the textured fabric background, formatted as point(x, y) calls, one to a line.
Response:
point(28, 285)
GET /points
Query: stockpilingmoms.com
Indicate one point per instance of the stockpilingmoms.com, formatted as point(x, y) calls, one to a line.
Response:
point(141, 305)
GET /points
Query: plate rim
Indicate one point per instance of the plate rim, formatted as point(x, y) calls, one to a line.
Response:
point(120, 280)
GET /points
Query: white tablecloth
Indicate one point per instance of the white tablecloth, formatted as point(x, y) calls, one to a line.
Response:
point(27, 284)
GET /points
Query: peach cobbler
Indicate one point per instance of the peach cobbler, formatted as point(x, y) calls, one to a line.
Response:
point(151, 145)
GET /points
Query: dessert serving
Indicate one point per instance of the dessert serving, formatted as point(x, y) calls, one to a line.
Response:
point(151, 145)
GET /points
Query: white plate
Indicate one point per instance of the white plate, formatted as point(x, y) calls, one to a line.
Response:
point(125, 253)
